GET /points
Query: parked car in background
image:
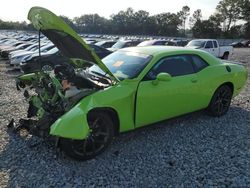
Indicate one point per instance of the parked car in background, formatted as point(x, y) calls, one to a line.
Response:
point(236, 44)
point(5, 53)
point(212, 46)
point(16, 60)
point(123, 44)
point(45, 62)
point(152, 42)
point(48, 61)
point(19, 54)
point(106, 43)
point(9, 44)
point(100, 51)
point(245, 43)
point(177, 42)
point(3, 40)
point(32, 47)
point(90, 40)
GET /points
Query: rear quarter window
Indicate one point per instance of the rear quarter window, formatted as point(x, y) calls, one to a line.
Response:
point(199, 63)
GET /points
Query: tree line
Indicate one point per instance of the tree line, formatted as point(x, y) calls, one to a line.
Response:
point(231, 19)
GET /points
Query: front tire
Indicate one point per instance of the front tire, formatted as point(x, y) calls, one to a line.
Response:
point(47, 67)
point(220, 101)
point(101, 134)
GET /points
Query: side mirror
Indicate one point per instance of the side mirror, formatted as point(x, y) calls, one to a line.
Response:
point(162, 77)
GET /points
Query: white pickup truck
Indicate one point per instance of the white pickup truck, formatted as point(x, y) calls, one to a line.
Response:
point(211, 46)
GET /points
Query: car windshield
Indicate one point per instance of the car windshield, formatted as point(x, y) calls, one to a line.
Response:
point(198, 43)
point(52, 51)
point(45, 48)
point(29, 48)
point(124, 64)
point(100, 43)
point(119, 45)
point(23, 46)
point(146, 43)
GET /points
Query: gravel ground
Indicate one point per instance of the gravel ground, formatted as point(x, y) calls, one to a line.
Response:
point(191, 151)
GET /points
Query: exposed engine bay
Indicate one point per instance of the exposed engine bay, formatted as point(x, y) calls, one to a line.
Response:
point(51, 94)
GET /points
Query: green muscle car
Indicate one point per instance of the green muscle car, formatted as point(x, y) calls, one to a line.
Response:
point(85, 102)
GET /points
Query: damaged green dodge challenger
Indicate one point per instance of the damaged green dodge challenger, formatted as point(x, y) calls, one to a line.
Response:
point(85, 102)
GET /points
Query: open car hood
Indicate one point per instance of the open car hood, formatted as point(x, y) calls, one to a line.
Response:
point(69, 43)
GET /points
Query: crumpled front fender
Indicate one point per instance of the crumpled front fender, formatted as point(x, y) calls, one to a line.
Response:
point(72, 125)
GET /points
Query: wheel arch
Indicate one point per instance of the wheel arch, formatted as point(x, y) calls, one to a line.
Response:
point(226, 53)
point(210, 108)
point(112, 113)
point(45, 62)
point(230, 84)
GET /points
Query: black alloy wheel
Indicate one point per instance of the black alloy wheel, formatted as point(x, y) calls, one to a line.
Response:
point(221, 101)
point(101, 134)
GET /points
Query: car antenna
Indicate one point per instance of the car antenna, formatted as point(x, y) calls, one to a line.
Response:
point(39, 42)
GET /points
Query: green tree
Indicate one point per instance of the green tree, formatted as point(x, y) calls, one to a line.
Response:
point(206, 29)
point(167, 24)
point(123, 21)
point(91, 23)
point(183, 14)
point(141, 19)
point(197, 16)
point(229, 10)
point(245, 15)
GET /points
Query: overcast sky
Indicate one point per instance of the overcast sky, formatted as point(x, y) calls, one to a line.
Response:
point(17, 10)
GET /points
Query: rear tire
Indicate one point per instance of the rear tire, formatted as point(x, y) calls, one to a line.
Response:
point(220, 101)
point(101, 134)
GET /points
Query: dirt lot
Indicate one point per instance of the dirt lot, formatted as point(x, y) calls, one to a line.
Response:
point(191, 151)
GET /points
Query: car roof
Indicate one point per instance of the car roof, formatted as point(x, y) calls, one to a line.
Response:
point(202, 39)
point(157, 50)
point(161, 51)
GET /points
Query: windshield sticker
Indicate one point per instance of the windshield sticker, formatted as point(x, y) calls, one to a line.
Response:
point(118, 63)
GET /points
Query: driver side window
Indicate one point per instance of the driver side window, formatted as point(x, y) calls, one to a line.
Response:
point(209, 44)
point(175, 65)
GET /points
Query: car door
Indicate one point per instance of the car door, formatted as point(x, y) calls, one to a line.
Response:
point(209, 47)
point(166, 99)
point(216, 49)
point(204, 78)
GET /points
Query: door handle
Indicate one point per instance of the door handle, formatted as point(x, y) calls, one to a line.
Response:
point(194, 80)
